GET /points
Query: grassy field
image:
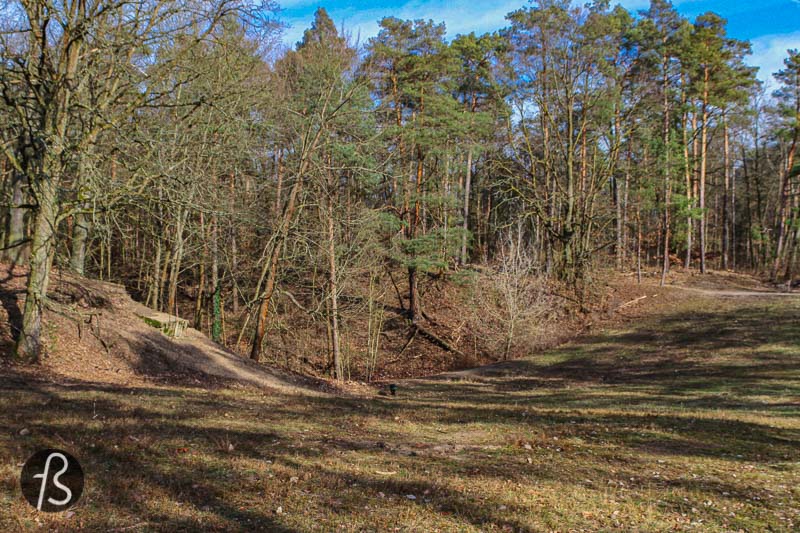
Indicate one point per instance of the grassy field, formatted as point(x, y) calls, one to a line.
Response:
point(686, 420)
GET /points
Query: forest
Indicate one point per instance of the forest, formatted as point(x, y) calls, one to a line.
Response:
point(177, 148)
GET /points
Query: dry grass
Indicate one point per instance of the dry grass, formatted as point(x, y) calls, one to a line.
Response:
point(688, 420)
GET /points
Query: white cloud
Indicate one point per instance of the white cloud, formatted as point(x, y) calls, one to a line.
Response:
point(769, 52)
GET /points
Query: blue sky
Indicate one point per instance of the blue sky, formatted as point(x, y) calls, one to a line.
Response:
point(771, 25)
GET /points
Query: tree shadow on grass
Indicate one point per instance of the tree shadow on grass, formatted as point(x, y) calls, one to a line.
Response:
point(162, 455)
point(677, 354)
point(141, 459)
point(159, 454)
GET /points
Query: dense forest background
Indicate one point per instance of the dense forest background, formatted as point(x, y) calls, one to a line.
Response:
point(176, 148)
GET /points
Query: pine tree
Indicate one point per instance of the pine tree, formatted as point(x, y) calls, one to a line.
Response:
point(788, 97)
point(709, 57)
point(481, 95)
point(661, 34)
point(413, 69)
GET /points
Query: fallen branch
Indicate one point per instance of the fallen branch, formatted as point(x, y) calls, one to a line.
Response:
point(438, 340)
point(409, 341)
point(631, 302)
point(134, 526)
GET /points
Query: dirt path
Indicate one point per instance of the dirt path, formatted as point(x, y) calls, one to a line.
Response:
point(738, 293)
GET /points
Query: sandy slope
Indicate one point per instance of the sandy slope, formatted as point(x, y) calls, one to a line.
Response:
point(94, 331)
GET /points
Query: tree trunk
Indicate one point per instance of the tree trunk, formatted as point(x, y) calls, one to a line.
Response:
point(272, 273)
point(667, 179)
point(201, 279)
point(467, 190)
point(750, 249)
point(638, 238)
point(234, 247)
point(333, 288)
point(626, 193)
point(17, 248)
point(703, 162)
point(280, 238)
point(687, 169)
point(726, 224)
point(792, 256)
point(216, 300)
point(81, 228)
point(177, 260)
point(784, 204)
point(733, 241)
point(618, 207)
point(28, 347)
point(414, 306)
